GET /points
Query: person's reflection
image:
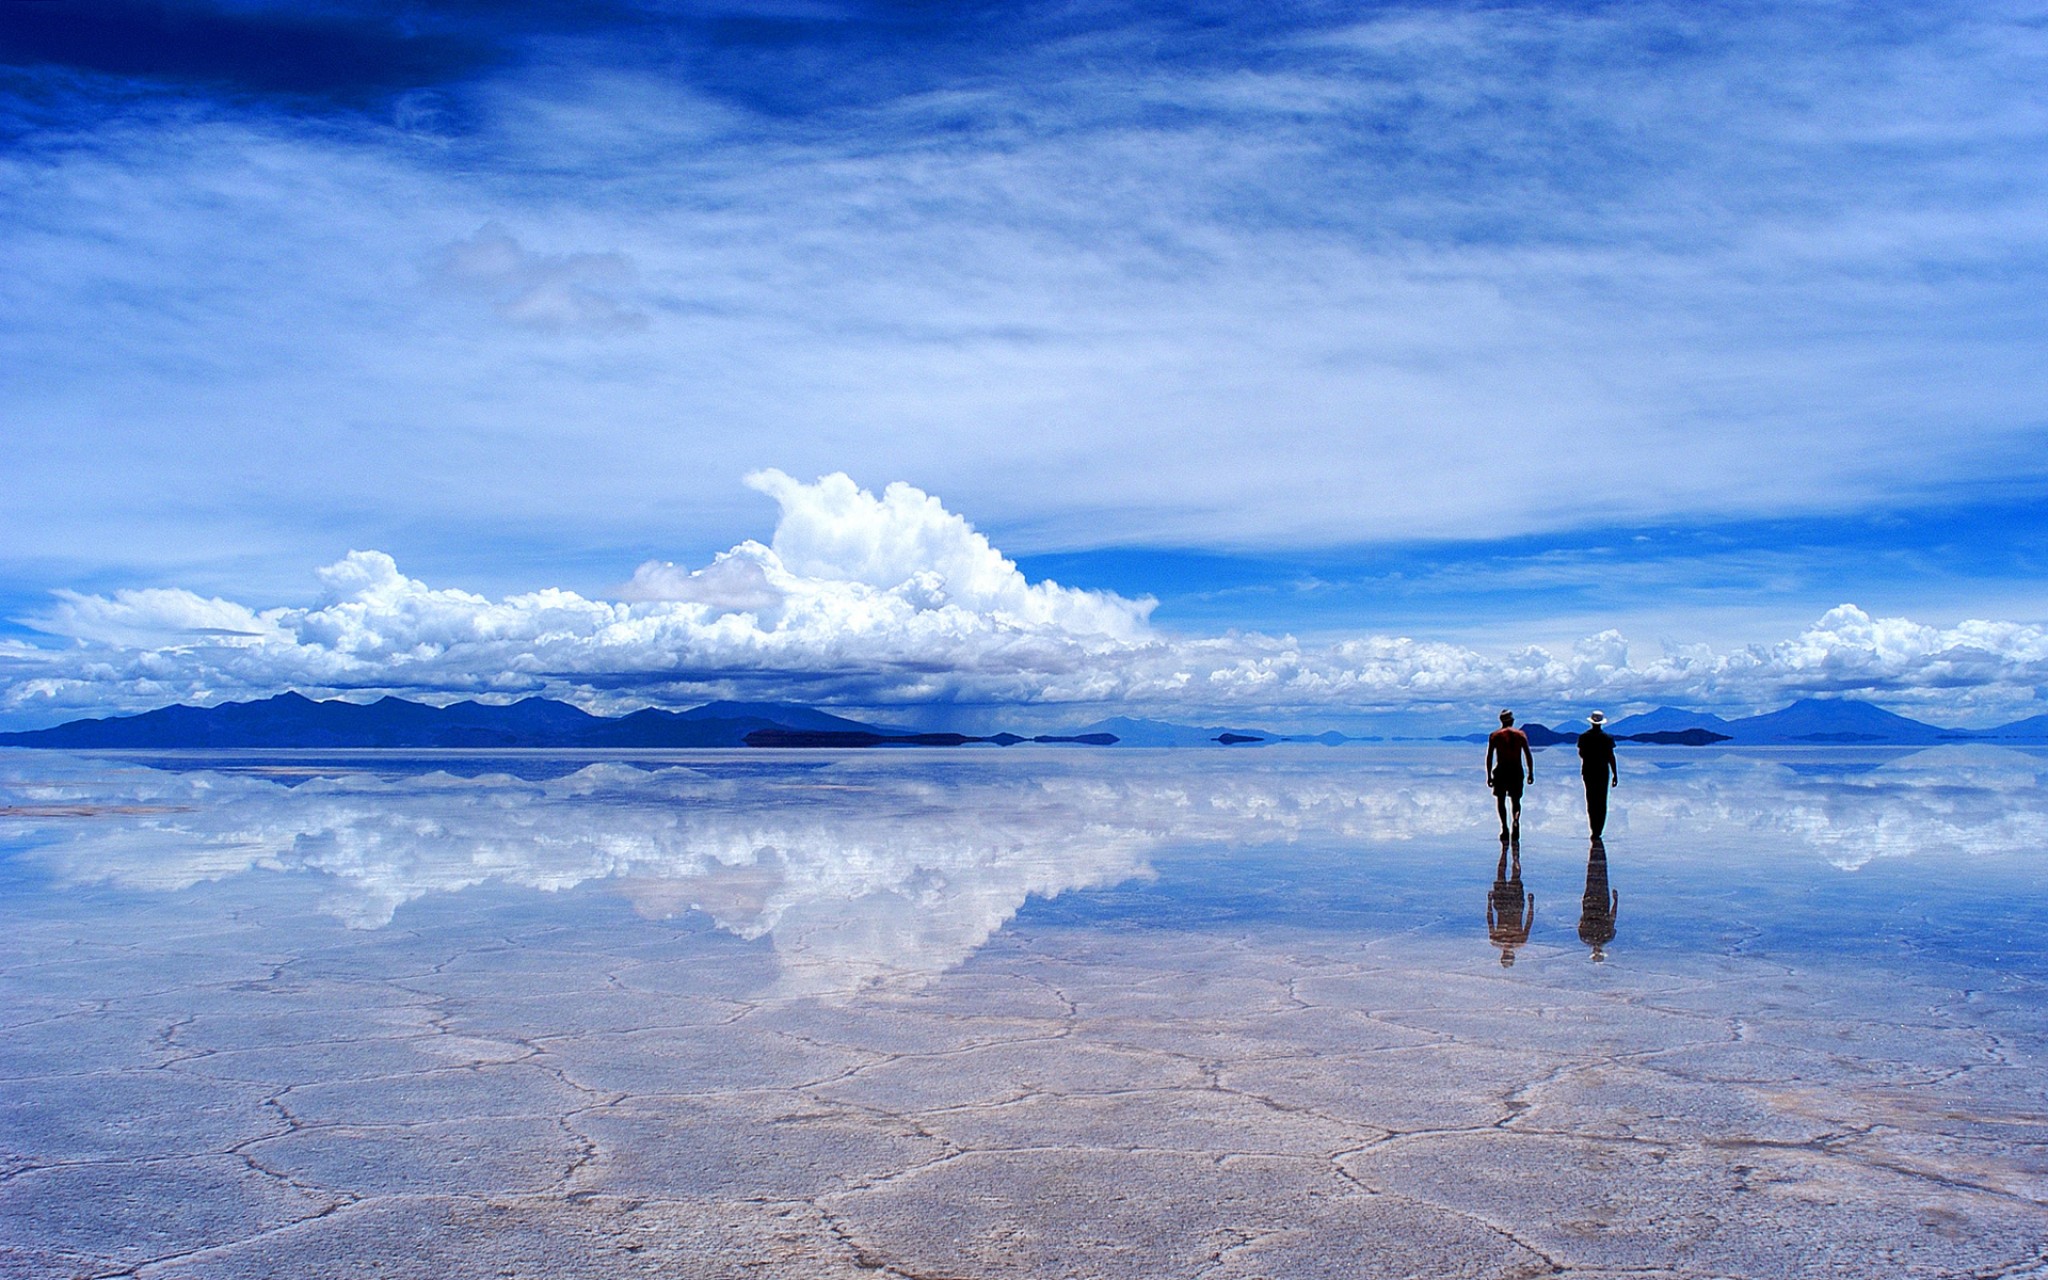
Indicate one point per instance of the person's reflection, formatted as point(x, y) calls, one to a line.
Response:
point(1509, 913)
point(1600, 905)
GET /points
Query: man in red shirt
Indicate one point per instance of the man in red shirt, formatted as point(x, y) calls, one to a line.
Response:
point(1507, 750)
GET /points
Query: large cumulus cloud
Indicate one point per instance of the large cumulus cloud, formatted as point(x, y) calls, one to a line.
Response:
point(876, 601)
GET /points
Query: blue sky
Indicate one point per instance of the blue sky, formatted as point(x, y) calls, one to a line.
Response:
point(1465, 325)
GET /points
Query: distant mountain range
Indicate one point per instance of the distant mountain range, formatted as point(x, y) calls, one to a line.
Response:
point(1667, 720)
point(1807, 722)
point(291, 720)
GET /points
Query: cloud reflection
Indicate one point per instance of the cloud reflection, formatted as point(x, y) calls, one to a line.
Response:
point(891, 867)
point(1850, 808)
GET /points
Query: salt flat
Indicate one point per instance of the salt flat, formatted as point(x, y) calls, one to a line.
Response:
point(1037, 1013)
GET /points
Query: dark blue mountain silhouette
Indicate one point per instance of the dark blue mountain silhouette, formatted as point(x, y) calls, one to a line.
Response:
point(789, 715)
point(1665, 720)
point(1819, 722)
point(293, 721)
point(1807, 722)
point(1841, 721)
point(1539, 735)
point(2031, 729)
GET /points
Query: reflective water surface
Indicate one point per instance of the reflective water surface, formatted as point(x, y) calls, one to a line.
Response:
point(921, 1012)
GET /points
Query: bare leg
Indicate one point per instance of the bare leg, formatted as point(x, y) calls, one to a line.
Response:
point(1500, 802)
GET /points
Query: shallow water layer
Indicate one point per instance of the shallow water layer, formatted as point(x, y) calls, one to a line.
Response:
point(1030, 1013)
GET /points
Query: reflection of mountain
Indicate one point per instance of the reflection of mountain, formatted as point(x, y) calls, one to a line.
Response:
point(864, 868)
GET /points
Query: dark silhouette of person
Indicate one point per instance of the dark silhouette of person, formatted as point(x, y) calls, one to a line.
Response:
point(1597, 767)
point(1509, 913)
point(1600, 905)
point(1507, 750)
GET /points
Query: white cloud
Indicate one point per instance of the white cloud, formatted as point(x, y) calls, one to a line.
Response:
point(151, 618)
point(840, 550)
point(736, 581)
point(869, 601)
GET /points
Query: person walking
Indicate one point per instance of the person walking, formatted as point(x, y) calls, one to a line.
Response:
point(1597, 767)
point(1506, 751)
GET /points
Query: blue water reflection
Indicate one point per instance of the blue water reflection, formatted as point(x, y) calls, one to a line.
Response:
point(865, 867)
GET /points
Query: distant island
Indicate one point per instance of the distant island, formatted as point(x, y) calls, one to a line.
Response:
point(1131, 732)
point(293, 721)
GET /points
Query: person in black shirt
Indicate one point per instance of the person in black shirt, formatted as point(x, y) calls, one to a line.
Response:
point(1596, 766)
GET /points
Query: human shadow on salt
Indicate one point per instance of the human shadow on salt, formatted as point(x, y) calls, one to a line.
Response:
point(1510, 912)
point(1600, 905)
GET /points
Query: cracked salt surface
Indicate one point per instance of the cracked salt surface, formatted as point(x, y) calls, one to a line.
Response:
point(1034, 1014)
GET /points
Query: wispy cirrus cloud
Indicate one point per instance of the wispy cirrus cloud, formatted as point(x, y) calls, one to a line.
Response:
point(541, 290)
point(1103, 276)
